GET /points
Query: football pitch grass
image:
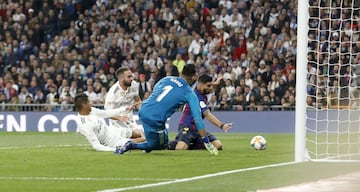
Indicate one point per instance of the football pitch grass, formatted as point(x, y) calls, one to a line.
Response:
point(65, 162)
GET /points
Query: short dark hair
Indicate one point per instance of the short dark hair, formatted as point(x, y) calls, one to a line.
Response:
point(205, 78)
point(121, 71)
point(189, 70)
point(79, 100)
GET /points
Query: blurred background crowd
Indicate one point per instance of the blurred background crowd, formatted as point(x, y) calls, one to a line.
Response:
point(52, 49)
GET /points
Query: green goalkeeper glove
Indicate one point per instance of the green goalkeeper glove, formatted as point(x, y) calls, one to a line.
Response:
point(210, 147)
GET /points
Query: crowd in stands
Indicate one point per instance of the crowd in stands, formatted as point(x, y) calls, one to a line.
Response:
point(333, 54)
point(51, 50)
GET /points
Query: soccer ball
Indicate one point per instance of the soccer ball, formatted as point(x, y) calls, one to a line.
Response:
point(258, 143)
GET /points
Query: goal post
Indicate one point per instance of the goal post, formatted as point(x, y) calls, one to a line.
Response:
point(301, 63)
point(327, 116)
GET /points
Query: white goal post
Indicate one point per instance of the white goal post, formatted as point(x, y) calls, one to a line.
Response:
point(327, 116)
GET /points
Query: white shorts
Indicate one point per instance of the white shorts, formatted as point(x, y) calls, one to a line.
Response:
point(126, 129)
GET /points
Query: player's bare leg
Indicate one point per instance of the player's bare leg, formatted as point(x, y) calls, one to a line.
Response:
point(181, 145)
point(217, 144)
point(137, 136)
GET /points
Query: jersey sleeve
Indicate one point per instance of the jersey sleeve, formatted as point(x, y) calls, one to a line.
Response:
point(109, 99)
point(107, 113)
point(203, 105)
point(86, 131)
point(193, 102)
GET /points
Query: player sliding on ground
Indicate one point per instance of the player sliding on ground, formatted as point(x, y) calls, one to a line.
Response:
point(91, 124)
point(188, 136)
point(169, 94)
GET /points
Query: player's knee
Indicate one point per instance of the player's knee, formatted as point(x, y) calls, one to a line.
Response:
point(181, 145)
point(217, 144)
point(137, 133)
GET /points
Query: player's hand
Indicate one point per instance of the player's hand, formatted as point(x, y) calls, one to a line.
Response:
point(226, 126)
point(210, 147)
point(219, 78)
point(133, 106)
point(122, 118)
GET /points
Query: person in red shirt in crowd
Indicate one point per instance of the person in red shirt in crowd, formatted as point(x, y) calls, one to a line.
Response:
point(288, 69)
point(241, 48)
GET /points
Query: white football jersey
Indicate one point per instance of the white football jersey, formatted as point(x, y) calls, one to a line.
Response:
point(101, 136)
point(116, 97)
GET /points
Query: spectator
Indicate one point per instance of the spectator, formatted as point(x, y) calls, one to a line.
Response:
point(52, 98)
point(179, 63)
point(28, 104)
point(63, 41)
point(144, 86)
point(93, 97)
point(67, 103)
point(24, 93)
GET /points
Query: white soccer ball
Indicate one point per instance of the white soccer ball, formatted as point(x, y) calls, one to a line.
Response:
point(258, 142)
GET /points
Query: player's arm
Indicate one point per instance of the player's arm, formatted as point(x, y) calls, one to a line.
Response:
point(215, 121)
point(193, 102)
point(110, 113)
point(110, 98)
point(138, 102)
point(90, 136)
point(218, 80)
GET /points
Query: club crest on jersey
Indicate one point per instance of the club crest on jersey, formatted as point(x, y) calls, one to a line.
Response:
point(185, 130)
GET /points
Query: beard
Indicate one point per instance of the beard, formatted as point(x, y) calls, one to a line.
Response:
point(127, 83)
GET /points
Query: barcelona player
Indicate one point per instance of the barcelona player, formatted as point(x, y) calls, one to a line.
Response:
point(188, 136)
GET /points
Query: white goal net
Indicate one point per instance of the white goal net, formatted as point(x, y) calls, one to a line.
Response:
point(333, 80)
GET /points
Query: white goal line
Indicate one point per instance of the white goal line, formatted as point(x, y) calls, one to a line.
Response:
point(42, 146)
point(196, 177)
point(85, 179)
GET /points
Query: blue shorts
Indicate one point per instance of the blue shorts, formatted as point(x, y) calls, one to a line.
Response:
point(157, 137)
point(192, 137)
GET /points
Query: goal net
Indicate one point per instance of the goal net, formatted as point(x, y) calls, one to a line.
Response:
point(333, 80)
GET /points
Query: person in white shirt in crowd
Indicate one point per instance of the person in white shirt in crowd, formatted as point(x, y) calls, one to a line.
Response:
point(52, 98)
point(91, 124)
point(178, 28)
point(23, 94)
point(195, 46)
point(93, 97)
point(167, 15)
point(77, 64)
point(155, 60)
point(124, 93)
point(236, 68)
point(67, 103)
point(224, 16)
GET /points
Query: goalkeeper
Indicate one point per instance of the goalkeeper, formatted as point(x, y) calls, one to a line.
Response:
point(91, 124)
point(168, 95)
point(188, 136)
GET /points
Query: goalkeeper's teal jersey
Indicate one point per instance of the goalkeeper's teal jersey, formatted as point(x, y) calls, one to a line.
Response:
point(168, 95)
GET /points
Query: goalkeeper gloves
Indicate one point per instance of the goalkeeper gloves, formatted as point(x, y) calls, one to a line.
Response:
point(210, 147)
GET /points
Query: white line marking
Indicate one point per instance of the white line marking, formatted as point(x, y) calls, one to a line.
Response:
point(44, 146)
point(347, 182)
point(195, 178)
point(85, 179)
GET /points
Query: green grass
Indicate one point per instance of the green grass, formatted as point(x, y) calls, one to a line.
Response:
point(42, 162)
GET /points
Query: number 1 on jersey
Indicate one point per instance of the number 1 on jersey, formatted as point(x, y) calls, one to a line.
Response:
point(165, 91)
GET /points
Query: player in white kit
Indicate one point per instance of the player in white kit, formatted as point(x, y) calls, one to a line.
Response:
point(124, 93)
point(91, 124)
